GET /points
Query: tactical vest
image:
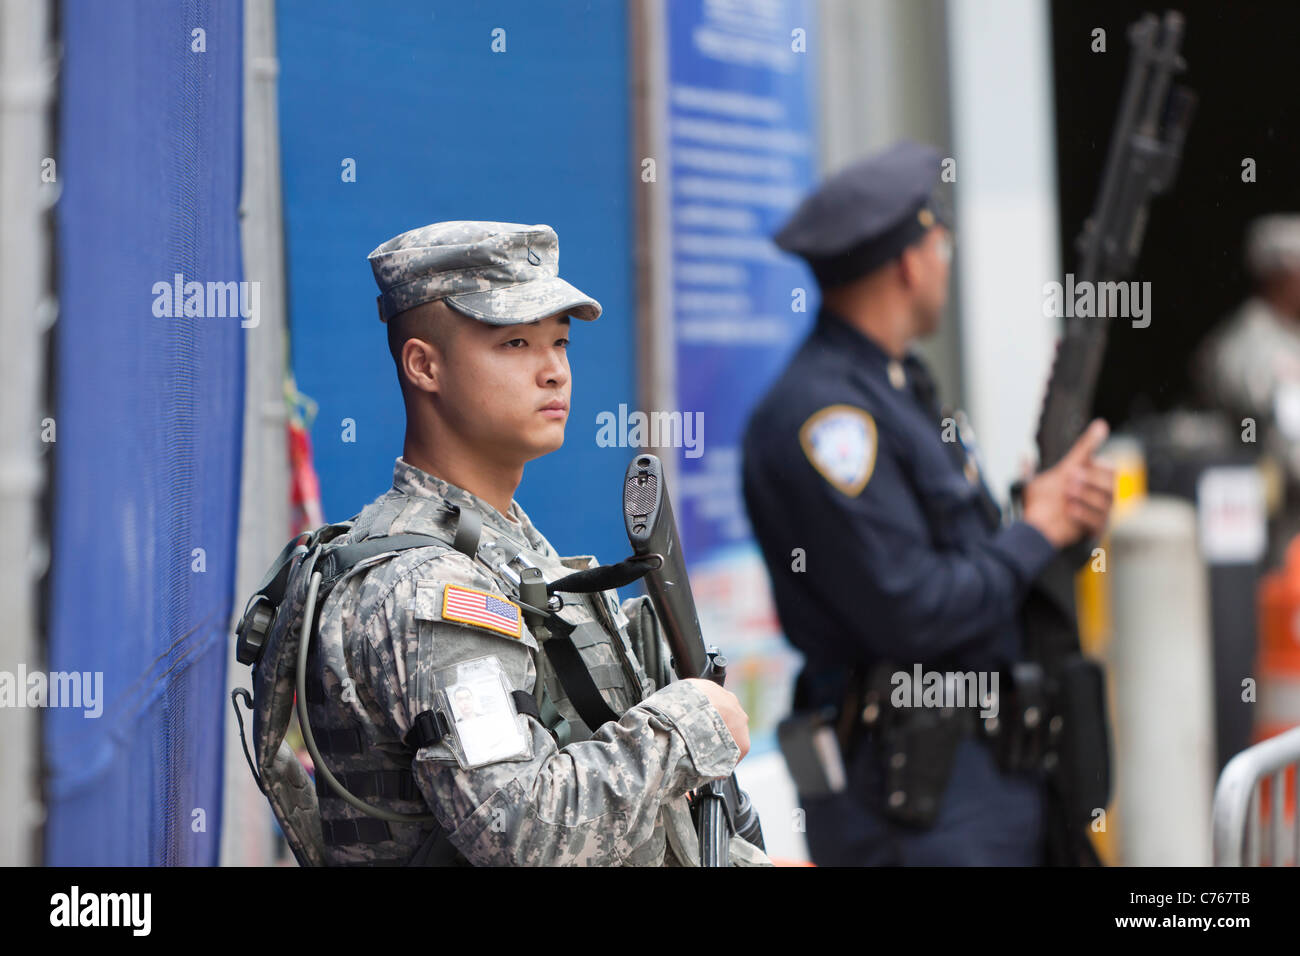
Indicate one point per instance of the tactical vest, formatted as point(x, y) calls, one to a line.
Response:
point(588, 674)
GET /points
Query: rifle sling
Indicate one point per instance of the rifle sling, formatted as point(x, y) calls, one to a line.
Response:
point(606, 577)
point(574, 676)
point(554, 633)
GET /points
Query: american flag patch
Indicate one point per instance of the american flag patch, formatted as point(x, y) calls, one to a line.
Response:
point(481, 609)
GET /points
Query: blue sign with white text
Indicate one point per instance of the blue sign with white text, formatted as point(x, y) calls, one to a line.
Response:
point(741, 137)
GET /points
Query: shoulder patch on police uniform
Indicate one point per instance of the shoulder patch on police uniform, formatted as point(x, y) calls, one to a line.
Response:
point(481, 609)
point(840, 441)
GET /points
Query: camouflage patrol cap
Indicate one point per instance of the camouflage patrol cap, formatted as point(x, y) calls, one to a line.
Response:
point(501, 273)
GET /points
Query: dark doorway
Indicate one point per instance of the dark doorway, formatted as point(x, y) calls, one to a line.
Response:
point(1241, 60)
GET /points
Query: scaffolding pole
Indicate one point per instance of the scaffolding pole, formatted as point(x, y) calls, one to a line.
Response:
point(28, 188)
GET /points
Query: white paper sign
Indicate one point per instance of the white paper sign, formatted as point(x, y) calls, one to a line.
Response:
point(1230, 508)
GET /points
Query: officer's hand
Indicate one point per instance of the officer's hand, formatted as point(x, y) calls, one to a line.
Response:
point(728, 705)
point(1072, 499)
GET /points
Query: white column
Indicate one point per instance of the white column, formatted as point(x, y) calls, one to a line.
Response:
point(1007, 249)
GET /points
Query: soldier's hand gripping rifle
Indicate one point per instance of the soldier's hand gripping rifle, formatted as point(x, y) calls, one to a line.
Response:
point(722, 807)
point(1144, 154)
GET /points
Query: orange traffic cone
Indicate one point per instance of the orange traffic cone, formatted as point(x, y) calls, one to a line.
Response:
point(1278, 668)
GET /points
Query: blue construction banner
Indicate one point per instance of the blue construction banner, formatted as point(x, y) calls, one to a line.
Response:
point(742, 143)
point(149, 379)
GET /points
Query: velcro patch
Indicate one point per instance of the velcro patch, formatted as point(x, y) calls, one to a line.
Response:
point(840, 441)
point(481, 609)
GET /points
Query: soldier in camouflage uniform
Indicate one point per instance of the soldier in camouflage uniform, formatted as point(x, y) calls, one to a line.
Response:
point(477, 321)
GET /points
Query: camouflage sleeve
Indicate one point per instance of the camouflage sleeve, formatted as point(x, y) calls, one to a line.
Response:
point(591, 803)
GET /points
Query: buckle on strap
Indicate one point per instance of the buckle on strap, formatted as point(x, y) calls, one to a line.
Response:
point(427, 729)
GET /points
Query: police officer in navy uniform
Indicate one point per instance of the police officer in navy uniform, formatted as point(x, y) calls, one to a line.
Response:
point(889, 558)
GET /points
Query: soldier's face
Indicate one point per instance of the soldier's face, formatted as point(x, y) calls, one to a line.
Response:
point(505, 389)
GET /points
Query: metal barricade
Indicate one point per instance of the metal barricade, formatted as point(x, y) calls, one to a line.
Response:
point(1240, 838)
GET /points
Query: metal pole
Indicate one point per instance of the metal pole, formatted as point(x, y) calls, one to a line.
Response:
point(1237, 836)
point(1160, 666)
point(27, 309)
point(264, 522)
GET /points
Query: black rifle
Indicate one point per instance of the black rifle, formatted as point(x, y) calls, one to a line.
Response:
point(722, 808)
point(1145, 150)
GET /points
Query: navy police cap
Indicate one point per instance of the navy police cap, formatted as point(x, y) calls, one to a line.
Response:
point(867, 213)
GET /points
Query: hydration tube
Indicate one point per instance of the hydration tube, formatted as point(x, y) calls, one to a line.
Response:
point(308, 616)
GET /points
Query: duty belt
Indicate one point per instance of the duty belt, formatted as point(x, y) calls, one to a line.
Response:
point(1016, 723)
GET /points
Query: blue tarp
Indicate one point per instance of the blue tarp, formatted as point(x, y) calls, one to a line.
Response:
point(442, 126)
point(149, 419)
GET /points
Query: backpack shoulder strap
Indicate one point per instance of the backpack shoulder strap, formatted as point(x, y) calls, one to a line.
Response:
point(336, 562)
point(463, 535)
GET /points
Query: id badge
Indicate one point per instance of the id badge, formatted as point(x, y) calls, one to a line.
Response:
point(485, 726)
